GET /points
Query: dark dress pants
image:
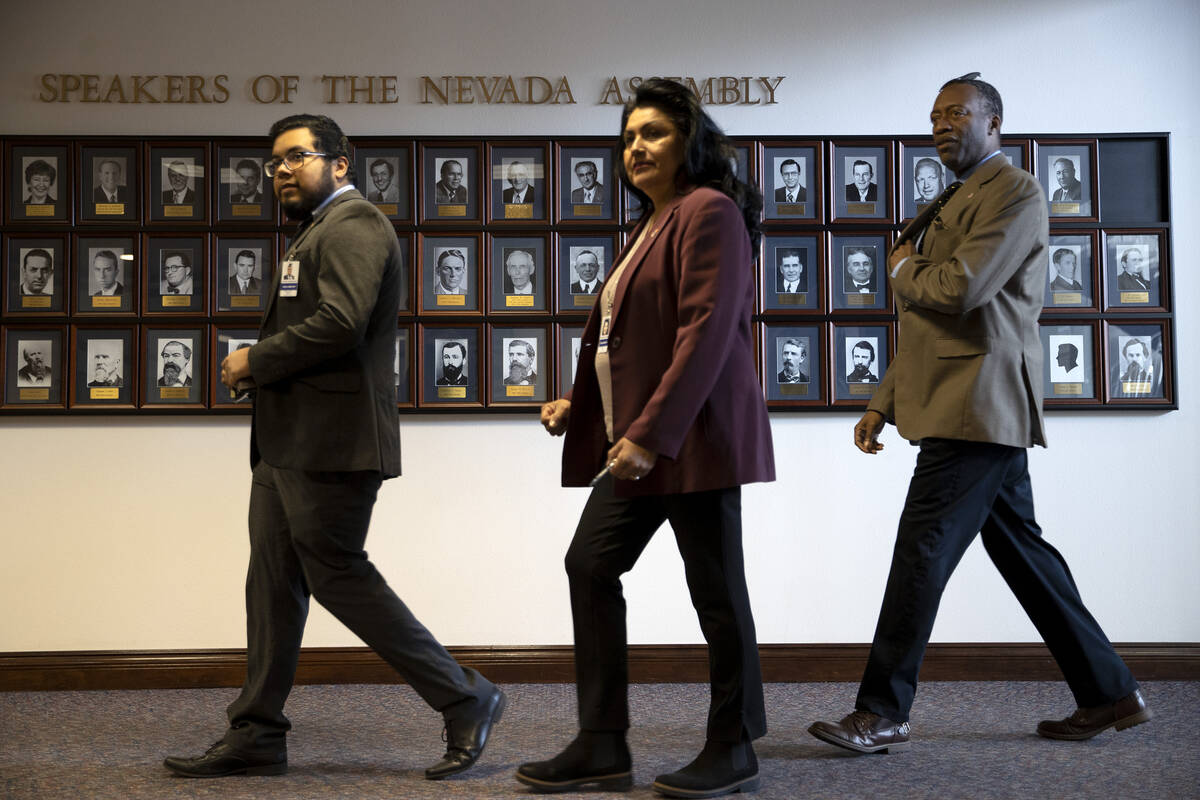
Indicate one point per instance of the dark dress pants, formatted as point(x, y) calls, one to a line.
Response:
point(959, 489)
point(307, 531)
point(610, 537)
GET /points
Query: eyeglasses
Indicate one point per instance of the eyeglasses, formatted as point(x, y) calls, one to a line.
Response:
point(293, 161)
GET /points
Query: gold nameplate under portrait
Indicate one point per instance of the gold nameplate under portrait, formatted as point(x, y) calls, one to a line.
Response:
point(116, 209)
point(177, 300)
point(1136, 387)
point(452, 392)
point(106, 301)
point(452, 211)
point(1068, 298)
point(1064, 208)
point(37, 301)
point(39, 210)
point(518, 391)
point(244, 302)
point(862, 388)
point(860, 299)
point(104, 393)
point(178, 211)
point(791, 209)
point(1068, 388)
point(40, 394)
point(1135, 297)
point(519, 211)
point(388, 209)
point(589, 210)
point(860, 208)
point(800, 299)
point(584, 300)
point(451, 299)
point(245, 210)
point(521, 300)
point(793, 388)
point(173, 393)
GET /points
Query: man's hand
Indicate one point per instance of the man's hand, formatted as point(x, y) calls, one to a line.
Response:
point(899, 253)
point(629, 461)
point(235, 367)
point(555, 415)
point(866, 432)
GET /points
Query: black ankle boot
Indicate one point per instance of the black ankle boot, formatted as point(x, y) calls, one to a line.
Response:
point(721, 768)
point(600, 758)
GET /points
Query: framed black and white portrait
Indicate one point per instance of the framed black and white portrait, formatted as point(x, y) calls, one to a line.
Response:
point(1067, 171)
point(451, 274)
point(1069, 363)
point(518, 183)
point(244, 274)
point(39, 183)
point(519, 278)
point(106, 275)
point(791, 181)
point(173, 366)
point(583, 263)
point(225, 340)
point(1134, 270)
point(403, 366)
point(384, 176)
point(103, 366)
point(1137, 361)
point(858, 272)
point(1016, 152)
point(745, 160)
point(451, 366)
point(923, 177)
point(35, 275)
point(33, 366)
point(861, 354)
point(861, 187)
point(1071, 269)
point(109, 189)
point(792, 279)
point(244, 193)
point(450, 183)
point(569, 339)
point(585, 183)
point(793, 365)
point(178, 190)
point(175, 276)
point(520, 365)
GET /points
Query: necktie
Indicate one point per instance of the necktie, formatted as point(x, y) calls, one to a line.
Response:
point(174, 290)
point(791, 197)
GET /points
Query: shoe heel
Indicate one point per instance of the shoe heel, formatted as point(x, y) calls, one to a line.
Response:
point(1135, 719)
point(895, 748)
point(267, 769)
point(750, 785)
point(616, 783)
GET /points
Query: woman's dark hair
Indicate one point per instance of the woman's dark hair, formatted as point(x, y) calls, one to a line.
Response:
point(708, 155)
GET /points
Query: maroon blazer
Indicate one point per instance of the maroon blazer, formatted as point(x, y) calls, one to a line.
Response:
point(682, 358)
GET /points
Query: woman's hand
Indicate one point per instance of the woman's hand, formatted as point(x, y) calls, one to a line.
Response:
point(629, 461)
point(555, 415)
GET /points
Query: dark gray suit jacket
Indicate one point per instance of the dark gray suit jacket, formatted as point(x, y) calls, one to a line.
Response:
point(323, 364)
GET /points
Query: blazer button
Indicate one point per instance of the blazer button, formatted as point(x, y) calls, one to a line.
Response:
point(614, 343)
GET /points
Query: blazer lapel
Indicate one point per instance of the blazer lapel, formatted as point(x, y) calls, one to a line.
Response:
point(300, 237)
point(637, 257)
point(965, 194)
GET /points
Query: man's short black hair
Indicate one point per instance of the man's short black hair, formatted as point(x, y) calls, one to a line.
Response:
point(988, 95)
point(327, 135)
point(250, 164)
point(863, 344)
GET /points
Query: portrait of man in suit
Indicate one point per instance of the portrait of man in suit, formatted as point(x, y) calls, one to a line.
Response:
point(522, 362)
point(37, 272)
point(792, 177)
point(862, 187)
point(789, 271)
point(1066, 367)
point(107, 273)
point(383, 178)
point(861, 357)
point(454, 362)
point(793, 359)
point(451, 272)
point(588, 271)
point(243, 280)
point(1134, 374)
point(520, 187)
point(1132, 275)
point(859, 277)
point(1066, 270)
point(40, 175)
point(1069, 190)
point(174, 363)
point(36, 354)
point(248, 189)
point(176, 273)
point(452, 187)
point(110, 182)
point(178, 174)
point(589, 189)
point(929, 180)
point(519, 277)
point(104, 356)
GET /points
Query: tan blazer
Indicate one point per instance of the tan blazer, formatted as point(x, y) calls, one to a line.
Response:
point(969, 359)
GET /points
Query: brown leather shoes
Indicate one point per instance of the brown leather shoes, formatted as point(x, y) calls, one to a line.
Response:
point(1085, 723)
point(863, 732)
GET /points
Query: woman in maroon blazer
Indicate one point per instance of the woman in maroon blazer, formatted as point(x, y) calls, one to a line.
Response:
point(668, 413)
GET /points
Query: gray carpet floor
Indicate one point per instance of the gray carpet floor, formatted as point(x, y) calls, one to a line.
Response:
point(970, 740)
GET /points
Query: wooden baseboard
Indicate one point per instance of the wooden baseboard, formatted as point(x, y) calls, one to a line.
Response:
point(782, 663)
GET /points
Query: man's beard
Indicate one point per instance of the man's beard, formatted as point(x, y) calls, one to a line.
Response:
point(171, 373)
point(860, 371)
point(451, 372)
point(302, 203)
point(517, 372)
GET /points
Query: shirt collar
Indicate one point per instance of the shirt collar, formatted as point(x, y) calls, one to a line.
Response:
point(962, 176)
point(329, 199)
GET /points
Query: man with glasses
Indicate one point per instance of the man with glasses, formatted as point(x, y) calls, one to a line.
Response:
point(177, 273)
point(324, 437)
point(180, 194)
point(450, 188)
point(590, 189)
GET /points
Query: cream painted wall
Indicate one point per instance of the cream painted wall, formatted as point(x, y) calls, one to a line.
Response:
point(125, 534)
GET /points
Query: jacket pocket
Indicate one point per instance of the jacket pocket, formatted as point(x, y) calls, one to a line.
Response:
point(958, 348)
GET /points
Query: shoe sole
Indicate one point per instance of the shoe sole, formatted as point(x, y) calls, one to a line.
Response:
point(842, 743)
point(616, 782)
point(1121, 724)
point(250, 772)
point(503, 704)
point(744, 785)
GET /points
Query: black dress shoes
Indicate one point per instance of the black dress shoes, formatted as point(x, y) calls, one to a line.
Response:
point(596, 759)
point(721, 768)
point(863, 732)
point(1085, 723)
point(222, 759)
point(466, 737)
